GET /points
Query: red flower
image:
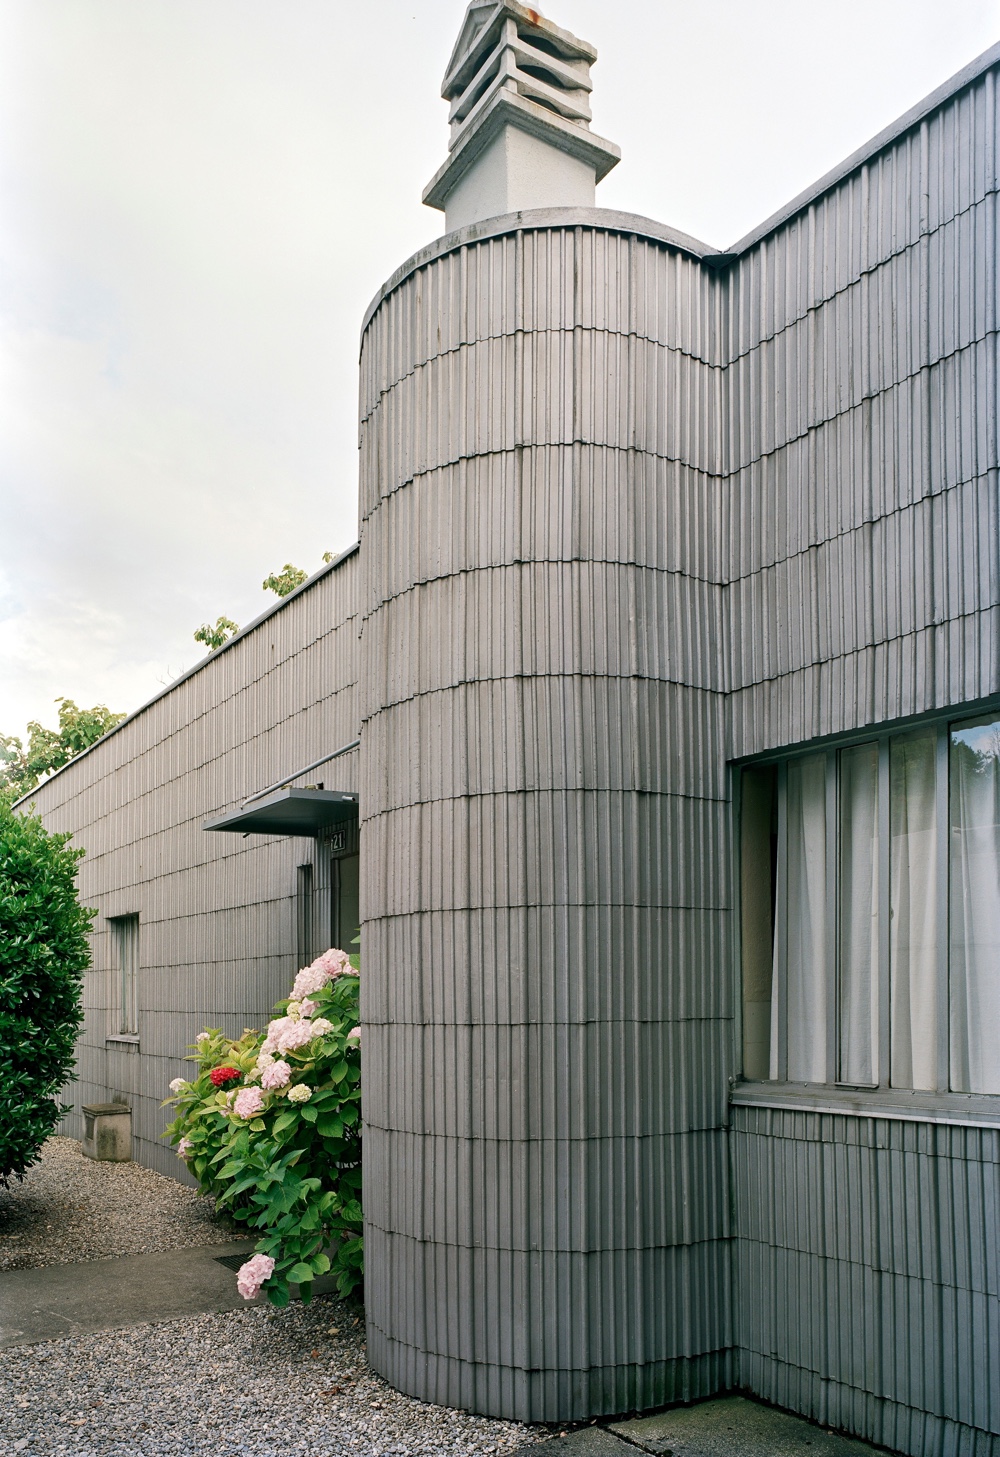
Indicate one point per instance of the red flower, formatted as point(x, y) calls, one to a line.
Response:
point(220, 1075)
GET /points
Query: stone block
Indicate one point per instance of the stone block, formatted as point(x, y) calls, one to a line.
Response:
point(107, 1132)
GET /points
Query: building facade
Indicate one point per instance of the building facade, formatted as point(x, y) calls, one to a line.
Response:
point(671, 650)
point(206, 930)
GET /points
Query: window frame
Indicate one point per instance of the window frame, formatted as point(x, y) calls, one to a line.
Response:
point(942, 725)
point(125, 934)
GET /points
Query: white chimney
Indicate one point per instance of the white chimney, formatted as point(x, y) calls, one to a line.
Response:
point(519, 89)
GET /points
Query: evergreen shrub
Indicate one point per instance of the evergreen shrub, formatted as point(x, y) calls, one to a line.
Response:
point(44, 951)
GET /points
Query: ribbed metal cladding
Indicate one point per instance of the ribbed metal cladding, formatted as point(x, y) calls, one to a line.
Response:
point(864, 581)
point(217, 914)
point(547, 1018)
point(861, 429)
point(869, 1275)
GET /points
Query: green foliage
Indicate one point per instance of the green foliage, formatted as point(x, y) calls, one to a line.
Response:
point(285, 581)
point(48, 749)
point(44, 952)
point(292, 1170)
point(214, 637)
point(281, 582)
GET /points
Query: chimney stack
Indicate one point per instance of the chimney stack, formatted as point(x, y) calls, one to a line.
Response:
point(519, 89)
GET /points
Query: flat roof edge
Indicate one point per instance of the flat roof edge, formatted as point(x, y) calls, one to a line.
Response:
point(209, 657)
point(715, 258)
point(536, 219)
point(878, 143)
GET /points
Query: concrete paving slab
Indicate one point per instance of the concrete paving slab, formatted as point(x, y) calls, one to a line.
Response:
point(66, 1300)
point(588, 1442)
point(732, 1426)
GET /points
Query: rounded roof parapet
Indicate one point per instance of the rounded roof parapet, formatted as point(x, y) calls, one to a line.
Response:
point(605, 219)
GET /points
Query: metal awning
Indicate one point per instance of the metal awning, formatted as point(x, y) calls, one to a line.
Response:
point(290, 812)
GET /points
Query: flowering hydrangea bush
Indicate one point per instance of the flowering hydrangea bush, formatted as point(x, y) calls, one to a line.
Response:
point(271, 1125)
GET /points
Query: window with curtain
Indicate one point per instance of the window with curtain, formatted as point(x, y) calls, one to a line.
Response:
point(875, 868)
point(125, 985)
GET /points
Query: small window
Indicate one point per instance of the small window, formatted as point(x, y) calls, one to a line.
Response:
point(304, 903)
point(870, 916)
point(346, 919)
point(125, 975)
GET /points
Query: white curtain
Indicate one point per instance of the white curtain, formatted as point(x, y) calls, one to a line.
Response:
point(805, 986)
point(975, 908)
point(913, 934)
point(858, 983)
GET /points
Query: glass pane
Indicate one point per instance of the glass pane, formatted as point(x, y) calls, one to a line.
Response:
point(913, 933)
point(974, 978)
point(758, 856)
point(348, 913)
point(806, 919)
point(857, 1000)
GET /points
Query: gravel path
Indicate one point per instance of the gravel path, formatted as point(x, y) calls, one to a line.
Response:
point(250, 1383)
point(70, 1208)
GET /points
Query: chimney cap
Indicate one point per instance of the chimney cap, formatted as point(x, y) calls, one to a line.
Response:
point(515, 75)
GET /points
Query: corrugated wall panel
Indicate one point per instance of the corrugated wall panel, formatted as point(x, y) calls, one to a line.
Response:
point(864, 557)
point(217, 921)
point(546, 834)
point(867, 1268)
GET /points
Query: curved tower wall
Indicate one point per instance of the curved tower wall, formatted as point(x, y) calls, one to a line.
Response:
point(547, 1032)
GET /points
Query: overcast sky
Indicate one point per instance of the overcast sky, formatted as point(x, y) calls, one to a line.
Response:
point(198, 198)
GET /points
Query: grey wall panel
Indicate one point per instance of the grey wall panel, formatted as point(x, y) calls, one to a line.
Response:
point(540, 586)
point(562, 731)
point(895, 1225)
point(507, 942)
point(593, 618)
point(652, 1190)
point(862, 403)
point(545, 504)
point(601, 1081)
point(550, 848)
point(555, 480)
point(217, 922)
point(625, 516)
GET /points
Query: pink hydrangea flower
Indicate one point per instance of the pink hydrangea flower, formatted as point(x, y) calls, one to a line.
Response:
point(248, 1102)
point(296, 1035)
point(354, 1035)
point(177, 1084)
point(333, 961)
point(251, 1276)
point(313, 978)
point(276, 1075)
point(184, 1148)
point(310, 979)
point(308, 1008)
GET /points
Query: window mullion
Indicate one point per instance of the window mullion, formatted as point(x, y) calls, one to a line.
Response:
point(942, 809)
point(832, 921)
point(883, 1024)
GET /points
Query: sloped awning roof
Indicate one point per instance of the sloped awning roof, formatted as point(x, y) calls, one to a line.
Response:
point(290, 812)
